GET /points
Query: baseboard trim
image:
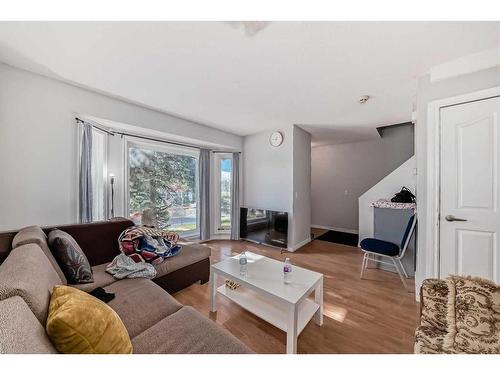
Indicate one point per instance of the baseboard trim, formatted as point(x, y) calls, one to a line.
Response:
point(220, 236)
point(299, 245)
point(345, 230)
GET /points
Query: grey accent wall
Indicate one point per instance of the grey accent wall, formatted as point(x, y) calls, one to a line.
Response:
point(342, 173)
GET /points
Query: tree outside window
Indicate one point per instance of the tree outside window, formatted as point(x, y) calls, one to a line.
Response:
point(166, 183)
point(225, 193)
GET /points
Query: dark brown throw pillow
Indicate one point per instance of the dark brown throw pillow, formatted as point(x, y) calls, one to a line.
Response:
point(70, 257)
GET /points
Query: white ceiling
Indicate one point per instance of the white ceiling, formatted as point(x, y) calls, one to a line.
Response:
point(246, 80)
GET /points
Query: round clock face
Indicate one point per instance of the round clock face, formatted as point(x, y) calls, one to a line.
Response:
point(276, 139)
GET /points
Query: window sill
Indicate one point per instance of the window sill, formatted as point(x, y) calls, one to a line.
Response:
point(220, 236)
point(189, 236)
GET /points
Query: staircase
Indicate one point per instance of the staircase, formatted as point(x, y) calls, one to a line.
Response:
point(404, 175)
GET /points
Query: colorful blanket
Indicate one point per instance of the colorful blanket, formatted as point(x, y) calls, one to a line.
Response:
point(150, 245)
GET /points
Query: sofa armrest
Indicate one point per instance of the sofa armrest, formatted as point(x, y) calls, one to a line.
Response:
point(433, 304)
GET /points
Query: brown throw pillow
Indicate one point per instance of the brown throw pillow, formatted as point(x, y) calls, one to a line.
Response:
point(473, 318)
point(70, 257)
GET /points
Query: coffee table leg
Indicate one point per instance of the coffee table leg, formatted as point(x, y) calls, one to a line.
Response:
point(213, 291)
point(291, 332)
point(318, 298)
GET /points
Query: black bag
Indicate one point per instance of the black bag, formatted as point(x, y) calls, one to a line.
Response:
point(404, 196)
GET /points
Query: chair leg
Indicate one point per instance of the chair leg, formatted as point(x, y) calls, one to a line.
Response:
point(403, 268)
point(363, 265)
point(399, 273)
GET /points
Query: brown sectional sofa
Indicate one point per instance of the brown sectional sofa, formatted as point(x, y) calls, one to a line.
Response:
point(156, 321)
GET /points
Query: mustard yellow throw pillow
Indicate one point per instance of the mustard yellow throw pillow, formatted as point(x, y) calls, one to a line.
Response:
point(79, 323)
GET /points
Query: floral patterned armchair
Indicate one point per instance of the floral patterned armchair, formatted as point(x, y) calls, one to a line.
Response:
point(458, 315)
point(429, 336)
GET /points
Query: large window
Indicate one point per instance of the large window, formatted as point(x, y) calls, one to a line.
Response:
point(224, 172)
point(163, 180)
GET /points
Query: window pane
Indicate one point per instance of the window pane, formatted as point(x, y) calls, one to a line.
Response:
point(166, 184)
point(225, 193)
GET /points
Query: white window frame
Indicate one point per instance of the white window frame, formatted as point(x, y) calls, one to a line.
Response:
point(131, 142)
point(217, 192)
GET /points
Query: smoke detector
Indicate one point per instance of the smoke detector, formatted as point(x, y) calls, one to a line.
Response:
point(249, 27)
point(363, 99)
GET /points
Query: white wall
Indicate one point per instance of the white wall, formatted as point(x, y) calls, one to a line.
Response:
point(38, 142)
point(301, 187)
point(272, 176)
point(268, 172)
point(342, 173)
point(426, 93)
point(404, 175)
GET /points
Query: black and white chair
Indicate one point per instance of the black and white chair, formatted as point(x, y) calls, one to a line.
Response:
point(376, 249)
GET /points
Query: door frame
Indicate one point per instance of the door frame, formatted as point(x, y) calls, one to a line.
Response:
point(430, 214)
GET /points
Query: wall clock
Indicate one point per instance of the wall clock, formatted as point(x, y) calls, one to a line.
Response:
point(276, 139)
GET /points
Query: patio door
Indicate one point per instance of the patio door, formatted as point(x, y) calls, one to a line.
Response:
point(470, 190)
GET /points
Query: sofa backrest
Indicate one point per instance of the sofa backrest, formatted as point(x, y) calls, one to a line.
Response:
point(99, 240)
point(6, 244)
point(28, 273)
point(35, 235)
point(20, 331)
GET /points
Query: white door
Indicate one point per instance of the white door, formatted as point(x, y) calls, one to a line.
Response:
point(470, 190)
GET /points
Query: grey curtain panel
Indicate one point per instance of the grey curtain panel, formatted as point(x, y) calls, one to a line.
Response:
point(85, 177)
point(204, 193)
point(235, 198)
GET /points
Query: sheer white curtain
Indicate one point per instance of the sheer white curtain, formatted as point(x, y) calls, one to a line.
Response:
point(204, 193)
point(235, 197)
point(99, 175)
point(92, 178)
point(85, 191)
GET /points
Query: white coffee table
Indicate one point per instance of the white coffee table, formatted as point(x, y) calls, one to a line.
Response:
point(263, 293)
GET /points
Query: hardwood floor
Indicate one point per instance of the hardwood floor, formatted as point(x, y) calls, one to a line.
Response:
point(373, 315)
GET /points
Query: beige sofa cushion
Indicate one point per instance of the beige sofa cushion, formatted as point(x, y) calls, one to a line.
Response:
point(141, 303)
point(28, 273)
point(187, 331)
point(189, 254)
point(101, 279)
point(20, 331)
point(35, 235)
